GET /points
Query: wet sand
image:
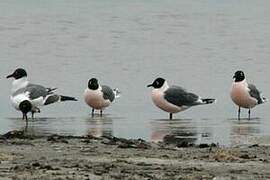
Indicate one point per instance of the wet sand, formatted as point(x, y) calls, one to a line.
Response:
point(86, 157)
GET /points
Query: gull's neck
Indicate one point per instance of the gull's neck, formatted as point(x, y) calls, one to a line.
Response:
point(19, 83)
point(165, 86)
point(241, 82)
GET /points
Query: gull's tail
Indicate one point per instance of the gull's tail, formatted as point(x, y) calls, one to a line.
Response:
point(67, 98)
point(56, 98)
point(261, 99)
point(264, 99)
point(116, 93)
point(208, 101)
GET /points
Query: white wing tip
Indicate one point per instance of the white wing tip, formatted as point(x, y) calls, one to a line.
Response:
point(209, 101)
point(117, 93)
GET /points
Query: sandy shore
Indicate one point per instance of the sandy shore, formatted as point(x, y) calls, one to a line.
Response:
point(68, 157)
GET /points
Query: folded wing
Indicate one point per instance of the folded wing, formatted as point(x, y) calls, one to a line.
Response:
point(180, 97)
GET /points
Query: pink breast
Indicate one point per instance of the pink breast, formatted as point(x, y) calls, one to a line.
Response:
point(160, 102)
point(94, 100)
point(241, 97)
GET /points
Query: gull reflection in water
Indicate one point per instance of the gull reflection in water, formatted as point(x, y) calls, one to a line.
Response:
point(174, 131)
point(35, 127)
point(44, 126)
point(100, 126)
point(245, 131)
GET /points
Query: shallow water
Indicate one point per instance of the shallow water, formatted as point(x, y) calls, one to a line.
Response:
point(127, 44)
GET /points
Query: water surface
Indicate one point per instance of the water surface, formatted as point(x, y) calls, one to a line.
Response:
point(127, 44)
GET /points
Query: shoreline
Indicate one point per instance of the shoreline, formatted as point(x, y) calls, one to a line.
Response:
point(108, 157)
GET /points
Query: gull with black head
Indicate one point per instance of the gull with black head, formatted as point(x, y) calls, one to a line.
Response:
point(245, 95)
point(174, 99)
point(27, 97)
point(99, 96)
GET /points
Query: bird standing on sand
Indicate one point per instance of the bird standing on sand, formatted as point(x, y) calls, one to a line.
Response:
point(174, 99)
point(245, 95)
point(27, 97)
point(99, 96)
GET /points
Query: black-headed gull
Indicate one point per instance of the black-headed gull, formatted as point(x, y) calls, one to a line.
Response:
point(174, 99)
point(25, 95)
point(245, 95)
point(99, 96)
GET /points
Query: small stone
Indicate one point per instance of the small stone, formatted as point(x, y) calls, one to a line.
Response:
point(203, 145)
point(36, 164)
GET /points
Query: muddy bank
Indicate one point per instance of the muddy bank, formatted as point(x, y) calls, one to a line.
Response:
point(76, 157)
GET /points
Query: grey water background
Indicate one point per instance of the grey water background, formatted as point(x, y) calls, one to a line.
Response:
point(197, 44)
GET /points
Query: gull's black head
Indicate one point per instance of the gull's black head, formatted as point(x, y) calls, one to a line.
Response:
point(93, 84)
point(158, 83)
point(239, 76)
point(25, 106)
point(18, 73)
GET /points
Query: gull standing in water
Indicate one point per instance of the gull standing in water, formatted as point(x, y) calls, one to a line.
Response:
point(99, 96)
point(245, 95)
point(174, 99)
point(27, 97)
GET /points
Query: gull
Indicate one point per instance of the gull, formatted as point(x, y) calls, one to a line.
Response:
point(27, 97)
point(245, 95)
point(174, 99)
point(99, 96)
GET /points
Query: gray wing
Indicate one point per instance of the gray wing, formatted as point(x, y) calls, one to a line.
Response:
point(36, 91)
point(180, 97)
point(254, 92)
point(107, 93)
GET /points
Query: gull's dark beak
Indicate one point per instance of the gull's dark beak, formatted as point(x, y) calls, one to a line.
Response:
point(149, 85)
point(9, 76)
point(233, 76)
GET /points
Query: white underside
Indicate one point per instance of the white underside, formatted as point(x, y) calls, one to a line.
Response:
point(17, 99)
point(94, 98)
